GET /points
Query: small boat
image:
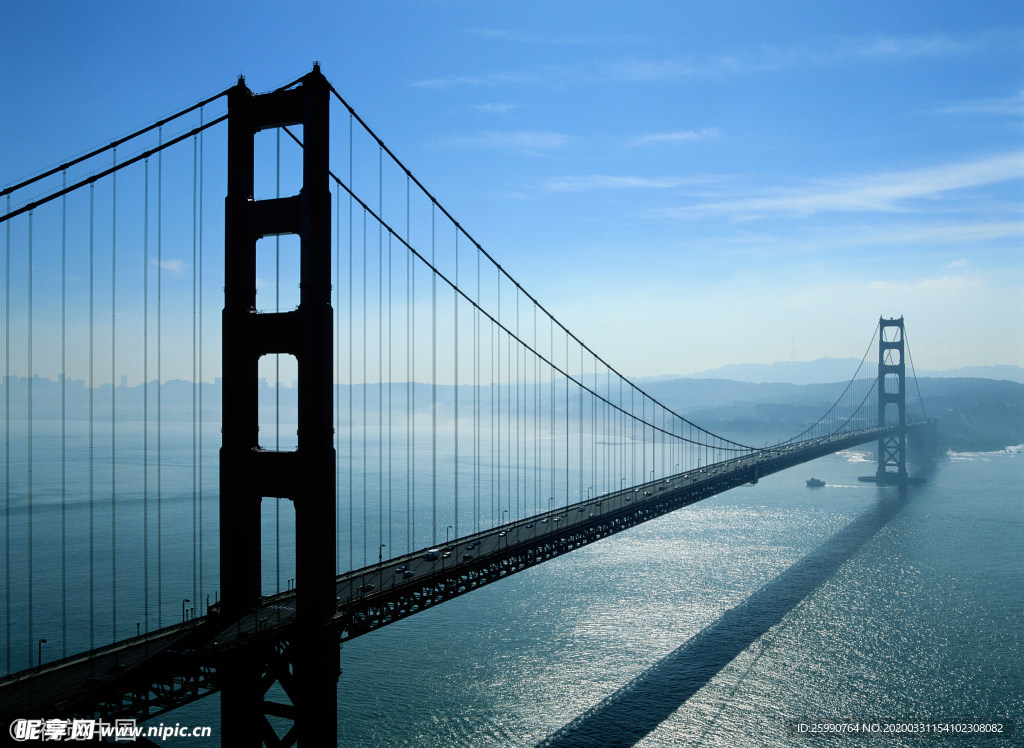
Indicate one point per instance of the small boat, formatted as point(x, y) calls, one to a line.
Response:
point(815, 483)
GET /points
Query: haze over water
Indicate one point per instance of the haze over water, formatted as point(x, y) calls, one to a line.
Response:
point(710, 626)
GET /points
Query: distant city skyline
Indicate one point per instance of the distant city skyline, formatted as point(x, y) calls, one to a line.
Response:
point(795, 372)
point(684, 187)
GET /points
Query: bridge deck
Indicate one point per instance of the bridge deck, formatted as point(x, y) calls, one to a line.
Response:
point(150, 675)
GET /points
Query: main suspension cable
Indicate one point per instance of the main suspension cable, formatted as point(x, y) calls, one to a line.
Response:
point(111, 145)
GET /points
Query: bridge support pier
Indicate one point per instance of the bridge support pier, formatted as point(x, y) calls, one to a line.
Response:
point(307, 667)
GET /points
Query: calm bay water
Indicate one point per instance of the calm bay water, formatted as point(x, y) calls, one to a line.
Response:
point(711, 626)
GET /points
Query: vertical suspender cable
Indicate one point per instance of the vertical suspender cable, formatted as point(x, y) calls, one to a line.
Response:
point(337, 380)
point(433, 377)
point(643, 426)
point(7, 437)
point(351, 381)
point(199, 379)
point(492, 388)
point(536, 418)
point(408, 383)
point(113, 405)
point(595, 452)
point(622, 445)
point(277, 370)
point(92, 507)
point(366, 393)
point(508, 441)
point(412, 367)
point(455, 299)
point(195, 508)
point(159, 384)
point(582, 379)
point(380, 358)
point(498, 315)
point(476, 404)
point(31, 576)
point(145, 399)
point(390, 387)
point(63, 421)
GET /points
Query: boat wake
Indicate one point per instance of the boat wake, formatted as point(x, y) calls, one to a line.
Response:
point(983, 456)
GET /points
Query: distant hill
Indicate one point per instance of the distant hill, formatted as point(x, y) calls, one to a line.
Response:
point(974, 414)
point(832, 370)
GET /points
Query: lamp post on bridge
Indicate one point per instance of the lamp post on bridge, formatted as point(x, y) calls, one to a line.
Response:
point(186, 600)
point(40, 662)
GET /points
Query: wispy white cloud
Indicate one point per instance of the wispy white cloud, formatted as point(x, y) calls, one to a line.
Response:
point(495, 107)
point(595, 182)
point(936, 45)
point(522, 140)
point(763, 58)
point(873, 192)
point(836, 50)
point(1006, 105)
point(683, 136)
point(518, 36)
point(943, 233)
point(175, 266)
point(956, 265)
point(940, 233)
point(936, 288)
point(500, 78)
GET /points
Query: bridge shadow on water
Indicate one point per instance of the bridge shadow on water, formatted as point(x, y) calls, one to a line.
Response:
point(628, 715)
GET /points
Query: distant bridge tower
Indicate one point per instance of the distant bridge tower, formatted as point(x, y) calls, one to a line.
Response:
point(306, 665)
point(892, 400)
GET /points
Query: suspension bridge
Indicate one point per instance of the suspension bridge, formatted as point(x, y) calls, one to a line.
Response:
point(442, 429)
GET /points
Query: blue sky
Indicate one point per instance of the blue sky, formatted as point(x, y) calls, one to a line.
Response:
point(685, 185)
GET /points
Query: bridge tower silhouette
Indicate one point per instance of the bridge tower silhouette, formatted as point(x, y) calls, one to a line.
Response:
point(306, 666)
point(892, 394)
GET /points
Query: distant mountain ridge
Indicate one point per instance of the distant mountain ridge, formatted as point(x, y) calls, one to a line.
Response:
point(974, 414)
point(832, 370)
